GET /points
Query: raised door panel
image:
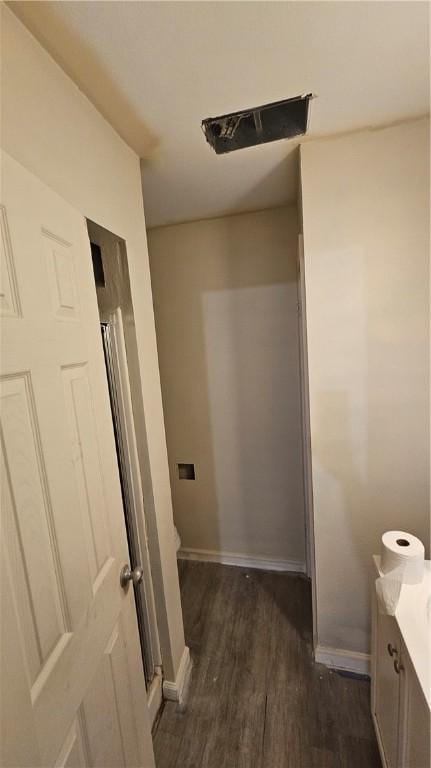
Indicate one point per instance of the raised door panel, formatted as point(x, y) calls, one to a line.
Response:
point(29, 527)
point(126, 678)
point(60, 263)
point(100, 716)
point(18, 737)
point(387, 688)
point(9, 295)
point(415, 725)
point(73, 752)
point(108, 716)
point(86, 463)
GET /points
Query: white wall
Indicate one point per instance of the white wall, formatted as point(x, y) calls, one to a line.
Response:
point(366, 238)
point(225, 296)
point(54, 131)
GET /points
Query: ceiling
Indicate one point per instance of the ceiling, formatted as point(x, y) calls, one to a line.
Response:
point(156, 69)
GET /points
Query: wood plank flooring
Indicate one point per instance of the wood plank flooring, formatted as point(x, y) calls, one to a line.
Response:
point(256, 698)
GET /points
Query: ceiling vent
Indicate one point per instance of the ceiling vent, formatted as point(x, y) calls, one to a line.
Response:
point(260, 125)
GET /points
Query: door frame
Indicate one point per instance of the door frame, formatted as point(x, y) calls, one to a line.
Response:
point(306, 434)
point(130, 473)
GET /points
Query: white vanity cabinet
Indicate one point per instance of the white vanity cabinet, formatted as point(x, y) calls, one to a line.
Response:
point(400, 710)
point(414, 723)
point(385, 699)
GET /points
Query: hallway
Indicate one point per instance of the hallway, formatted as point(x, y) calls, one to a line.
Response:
point(256, 699)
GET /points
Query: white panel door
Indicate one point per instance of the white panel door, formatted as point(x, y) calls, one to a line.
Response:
point(72, 683)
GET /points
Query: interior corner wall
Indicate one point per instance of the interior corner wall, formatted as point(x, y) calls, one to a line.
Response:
point(226, 309)
point(52, 129)
point(366, 211)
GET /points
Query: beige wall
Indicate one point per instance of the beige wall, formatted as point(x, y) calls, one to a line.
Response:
point(225, 296)
point(54, 131)
point(366, 238)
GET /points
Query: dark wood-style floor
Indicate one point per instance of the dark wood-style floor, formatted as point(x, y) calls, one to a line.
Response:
point(256, 698)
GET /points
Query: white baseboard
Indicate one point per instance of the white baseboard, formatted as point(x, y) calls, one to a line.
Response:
point(176, 690)
point(348, 661)
point(244, 561)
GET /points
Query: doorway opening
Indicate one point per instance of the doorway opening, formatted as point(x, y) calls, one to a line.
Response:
point(117, 327)
point(232, 354)
point(226, 310)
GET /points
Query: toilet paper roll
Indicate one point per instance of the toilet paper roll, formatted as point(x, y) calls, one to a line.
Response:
point(402, 562)
point(404, 553)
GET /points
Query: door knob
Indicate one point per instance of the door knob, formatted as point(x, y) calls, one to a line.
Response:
point(127, 575)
